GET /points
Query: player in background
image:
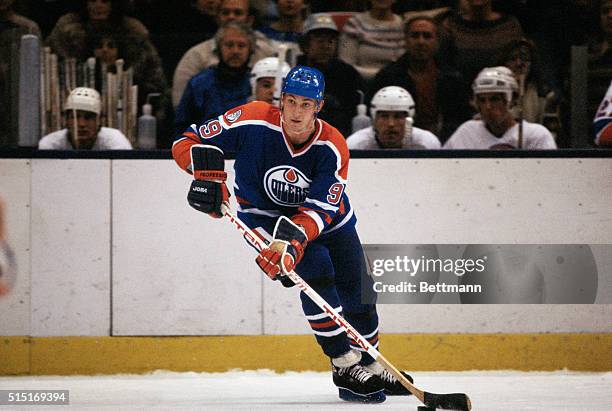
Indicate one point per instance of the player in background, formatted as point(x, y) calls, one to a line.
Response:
point(392, 110)
point(263, 76)
point(291, 171)
point(603, 121)
point(8, 263)
point(83, 130)
point(494, 90)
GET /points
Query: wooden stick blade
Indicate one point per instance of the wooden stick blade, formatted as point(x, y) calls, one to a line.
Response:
point(456, 401)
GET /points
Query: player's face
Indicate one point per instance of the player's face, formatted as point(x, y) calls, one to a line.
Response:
point(493, 108)
point(235, 48)
point(390, 127)
point(421, 40)
point(99, 9)
point(86, 124)
point(321, 46)
point(233, 10)
point(298, 116)
point(264, 89)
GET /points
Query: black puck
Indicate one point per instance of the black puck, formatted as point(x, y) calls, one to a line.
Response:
point(425, 408)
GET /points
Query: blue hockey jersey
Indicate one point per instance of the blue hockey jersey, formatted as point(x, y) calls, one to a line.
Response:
point(272, 177)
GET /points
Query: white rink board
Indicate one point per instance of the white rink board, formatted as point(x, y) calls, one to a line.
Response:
point(71, 211)
point(175, 271)
point(15, 193)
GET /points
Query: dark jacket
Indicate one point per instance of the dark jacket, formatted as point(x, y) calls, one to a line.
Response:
point(452, 93)
point(341, 98)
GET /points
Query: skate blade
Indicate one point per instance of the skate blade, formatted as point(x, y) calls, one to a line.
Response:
point(374, 398)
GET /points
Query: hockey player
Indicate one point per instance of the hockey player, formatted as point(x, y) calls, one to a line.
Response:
point(263, 77)
point(494, 88)
point(392, 110)
point(603, 121)
point(291, 171)
point(83, 130)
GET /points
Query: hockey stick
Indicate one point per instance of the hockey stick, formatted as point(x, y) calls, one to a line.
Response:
point(456, 401)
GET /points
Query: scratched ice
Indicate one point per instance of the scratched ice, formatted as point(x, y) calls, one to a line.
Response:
point(266, 390)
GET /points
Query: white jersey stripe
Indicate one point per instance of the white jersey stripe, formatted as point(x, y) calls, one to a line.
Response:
point(321, 204)
point(329, 333)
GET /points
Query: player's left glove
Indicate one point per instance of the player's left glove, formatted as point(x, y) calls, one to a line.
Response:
point(285, 251)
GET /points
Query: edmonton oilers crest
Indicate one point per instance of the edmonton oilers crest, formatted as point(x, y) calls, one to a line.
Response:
point(286, 185)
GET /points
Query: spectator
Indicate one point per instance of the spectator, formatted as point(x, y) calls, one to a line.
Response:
point(83, 130)
point(392, 109)
point(108, 46)
point(320, 46)
point(99, 22)
point(600, 59)
point(221, 87)
point(205, 54)
point(539, 103)
point(372, 39)
point(263, 78)
point(12, 27)
point(477, 36)
point(288, 28)
point(494, 88)
point(441, 93)
point(45, 13)
point(603, 121)
point(69, 36)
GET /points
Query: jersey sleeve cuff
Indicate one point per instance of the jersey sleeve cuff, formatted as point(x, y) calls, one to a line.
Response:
point(311, 227)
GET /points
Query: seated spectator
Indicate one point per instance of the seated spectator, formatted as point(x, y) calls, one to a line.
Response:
point(12, 27)
point(600, 59)
point(263, 78)
point(205, 54)
point(603, 121)
point(372, 39)
point(221, 87)
point(108, 46)
point(69, 36)
point(320, 46)
point(494, 88)
point(392, 110)
point(83, 130)
point(441, 93)
point(477, 35)
point(539, 103)
point(288, 28)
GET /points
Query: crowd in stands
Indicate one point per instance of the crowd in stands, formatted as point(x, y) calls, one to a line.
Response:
point(199, 54)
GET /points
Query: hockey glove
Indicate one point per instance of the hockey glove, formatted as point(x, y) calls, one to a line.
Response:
point(285, 251)
point(208, 191)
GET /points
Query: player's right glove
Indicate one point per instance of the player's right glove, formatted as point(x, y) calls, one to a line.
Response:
point(285, 251)
point(208, 191)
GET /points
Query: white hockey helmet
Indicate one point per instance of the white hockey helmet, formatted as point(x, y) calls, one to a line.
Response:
point(84, 98)
point(392, 98)
point(267, 67)
point(495, 80)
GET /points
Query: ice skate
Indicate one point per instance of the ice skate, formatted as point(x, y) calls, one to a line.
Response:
point(355, 382)
point(392, 385)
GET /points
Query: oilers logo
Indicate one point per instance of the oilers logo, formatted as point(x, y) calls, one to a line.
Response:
point(233, 117)
point(286, 186)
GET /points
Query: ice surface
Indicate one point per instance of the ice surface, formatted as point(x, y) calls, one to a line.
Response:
point(266, 390)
